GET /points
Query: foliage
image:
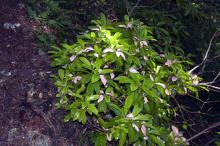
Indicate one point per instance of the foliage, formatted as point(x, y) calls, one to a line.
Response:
point(63, 19)
point(177, 26)
point(185, 22)
point(116, 79)
point(66, 17)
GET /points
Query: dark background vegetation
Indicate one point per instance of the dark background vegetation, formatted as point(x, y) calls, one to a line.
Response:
point(188, 23)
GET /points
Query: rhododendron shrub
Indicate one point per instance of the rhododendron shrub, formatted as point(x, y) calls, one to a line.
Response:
point(115, 79)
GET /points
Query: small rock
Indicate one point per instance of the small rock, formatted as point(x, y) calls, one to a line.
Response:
point(11, 26)
point(2, 81)
point(13, 62)
point(12, 134)
point(42, 74)
point(30, 93)
point(40, 95)
point(37, 139)
point(15, 135)
point(5, 73)
point(41, 52)
point(50, 94)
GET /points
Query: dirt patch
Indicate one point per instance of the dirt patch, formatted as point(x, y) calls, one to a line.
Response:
point(27, 95)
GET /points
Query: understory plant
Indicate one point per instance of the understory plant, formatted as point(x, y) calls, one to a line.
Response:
point(116, 80)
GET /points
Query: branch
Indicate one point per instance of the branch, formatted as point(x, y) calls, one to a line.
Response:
point(126, 4)
point(208, 84)
point(206, 54)
point(134, 7)
point(203, 131)
point(210, 44)
point(216, 78)
point(177, 103)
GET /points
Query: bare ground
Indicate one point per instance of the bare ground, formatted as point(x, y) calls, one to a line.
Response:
point(27, 95)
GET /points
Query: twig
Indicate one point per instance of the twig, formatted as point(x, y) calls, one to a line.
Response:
point(126, 4)
point(206, 54)
point(212, 82)
point(177, 103)
point(216, 77)
point(210, 44)
point(211, 141)
point(197, 112)
point(203, 131)
point(209, 86)
point(152, 6)
point(213, 58)
point(134, 7)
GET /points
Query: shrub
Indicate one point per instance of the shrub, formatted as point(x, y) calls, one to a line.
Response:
point(115, 80)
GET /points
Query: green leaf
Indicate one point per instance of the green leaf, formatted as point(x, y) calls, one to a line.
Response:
point(67, 118)
point(102, 122)
point(96, 87)
point(75, 115)
point(98, 63)
point(67, 46)
point(131, 134)
point(92, 109)
point(116, 109)
point(101, 140)
point(122, 138)
point(137, 109)
point(143, 117)
point(136, 77)
point(95, 78)
point(80, 89)
point(82, 116)
point(128, 103)
point(92, 34)
point(105, 71)
point(86, 78)
point(102, 106)
point(85, 62)
point(61, 74)
point(81, 42)
point(124, 79)
point(155, 140)
point(133, 87)
point(74, 105)
point(117, 35)
point(97, 49)
point(90, 89)
point(92, 97)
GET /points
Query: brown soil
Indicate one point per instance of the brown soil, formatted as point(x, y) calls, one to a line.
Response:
point(27, 95)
